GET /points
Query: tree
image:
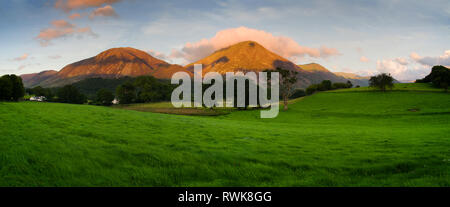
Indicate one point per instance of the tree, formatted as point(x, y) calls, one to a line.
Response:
point(349, 84)
point(39, 91)
point(325, 85)
point(382, 81)
point(288, 78)
point(104, 97)
point(11, 88)
point(18, 91)
point(439, 77)
point(70, 94)
point(126, 93)
point(150, 89)
point(5, 88)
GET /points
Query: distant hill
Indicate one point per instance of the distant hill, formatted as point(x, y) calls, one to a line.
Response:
point(317, 73)
point(34, 79)
point(112, 63)
point(355, 79)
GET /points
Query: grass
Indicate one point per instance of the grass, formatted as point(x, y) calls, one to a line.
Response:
point(328, 139)
point(398, 87)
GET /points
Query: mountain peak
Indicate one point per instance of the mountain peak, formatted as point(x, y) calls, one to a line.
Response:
point(242, 56)
point(313, 67)
point(126, 54)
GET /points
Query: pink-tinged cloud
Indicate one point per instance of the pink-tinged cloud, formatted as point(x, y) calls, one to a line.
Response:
point(69, 5)
point(62, 24)
point(75, 16)
point(21, 58)
point(364, 59)
point(431, 61)
point(106, 11)
point(283, 46)
point(158, 55)
point(61, 29)
point(401, 61)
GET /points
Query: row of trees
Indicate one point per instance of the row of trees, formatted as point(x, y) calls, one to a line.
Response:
point(144, 89)
point(327, 85)
point(11, 88)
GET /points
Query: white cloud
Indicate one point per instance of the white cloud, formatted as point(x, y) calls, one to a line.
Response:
point(399, 69)
point(391, 67)
point(431, 61)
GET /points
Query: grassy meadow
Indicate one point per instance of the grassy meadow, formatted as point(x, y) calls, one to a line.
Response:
point(351, 137)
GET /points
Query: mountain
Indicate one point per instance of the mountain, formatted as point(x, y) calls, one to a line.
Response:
point(36, 78)
point(355, 79)
point(251, 56)
point(317, 73)
point(112, 63)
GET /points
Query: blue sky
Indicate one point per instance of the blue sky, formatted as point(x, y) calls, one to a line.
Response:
point(402, 37)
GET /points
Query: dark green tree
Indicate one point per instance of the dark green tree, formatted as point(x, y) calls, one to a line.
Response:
point(439, 77)
point(70, 94)
point(104, 97)
point(382, 81)
point(150, 89)
point(15, 88)
point(126, 93)
point(5, 88)
point(325, 85)
point(287, 81)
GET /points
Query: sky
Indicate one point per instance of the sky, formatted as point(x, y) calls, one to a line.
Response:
point(402, 37)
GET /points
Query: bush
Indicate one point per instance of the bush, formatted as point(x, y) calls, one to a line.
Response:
point(311, 89)
point(298, 93)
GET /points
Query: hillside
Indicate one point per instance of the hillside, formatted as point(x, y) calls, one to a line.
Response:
point(112, 63)
point(327, 139)
point(33, 79)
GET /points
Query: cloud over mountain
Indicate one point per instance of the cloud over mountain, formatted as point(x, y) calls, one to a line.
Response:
point(281, 45)
point(69, 5)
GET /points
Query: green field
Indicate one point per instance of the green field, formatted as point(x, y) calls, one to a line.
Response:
point(339, 138)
